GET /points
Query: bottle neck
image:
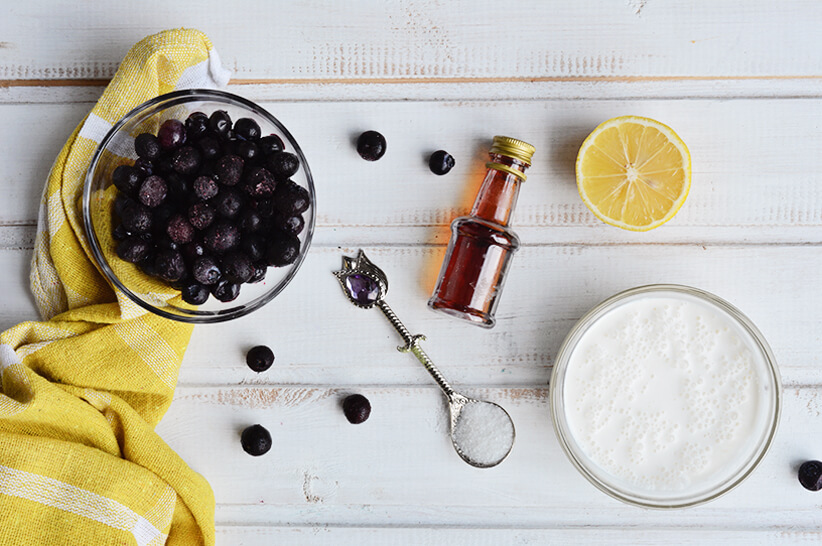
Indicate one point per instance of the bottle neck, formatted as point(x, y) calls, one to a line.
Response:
point(497, 196)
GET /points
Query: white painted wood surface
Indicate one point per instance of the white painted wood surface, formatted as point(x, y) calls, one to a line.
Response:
point(740, 82)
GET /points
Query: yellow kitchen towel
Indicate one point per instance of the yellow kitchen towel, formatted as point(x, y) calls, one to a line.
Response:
point(82, 389)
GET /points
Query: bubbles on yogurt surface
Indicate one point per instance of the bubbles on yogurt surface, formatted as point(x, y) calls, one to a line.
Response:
point(662, 392)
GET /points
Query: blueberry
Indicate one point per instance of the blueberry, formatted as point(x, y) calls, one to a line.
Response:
point(133, 249)
point(260, 183)
point(126, 179)
point(148, 266)
point(288, 224)
point(259, 358)
point(291, 198)
point(282, 250)
point(283, 164)
point(248, 151)
point(220, 122)
point(195, 293)
point(180, 230)
point(172, 134)
point(186, 160)
point(120, 203)
point(136, 218)
point(259, 272)
point(200, 215)
point(205, 270)
point(178, 185)
point(237, 267)
point(441, 162)
point(270, 144)
point(209, 146)
point(170, 265)
point(119, 233)
point(371, 145)
point(228, 170)
point(226, 291)
point(266, 208)
point(357, 408)
point(249, 221)
point(192, 251)
point(221, 237)
point(254, 247)
point(810, 475)
point(196, 125)
point(205, 187)
point(256, 440)
point(147, 146)
point(247, 129)
point(164, 165)
point(153, 191)
point(165, 243)
point(228, 203)
point(144, 167)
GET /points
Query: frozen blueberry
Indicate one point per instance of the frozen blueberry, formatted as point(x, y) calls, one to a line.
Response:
point(133, 249)
point(205, 270)
point(247, 150)
point(209, 146)
point(221, 237)
point(441, 162)
point(228, 203)
point(153, 191)
point(288, 223)
point(195, 293)
point(178, 186)
point(254, 246)
point(120, 203)
point(172, 134)
point(260, 183)
point(126, 179)
point(220, 122)
point(164, 166)
point(136, 218)
point(357, 408)
point(259, 272)
point(371, 145)
point(205, 187)
point(237, 267)
point(196, 125)
point(119, 233)
point(170, 265)
point(247, 129)
point(228, 170)
point(192, 251)
point(179, 229)
point(186, 160)
point(259, 358)
point(282, 250)
point(148, 266)
point(249, 221)
point(200, 215)
point(270, 144)
point(283, 164)
point(226, 291)
point(144, 167)
point(256, 440)
point(147, 146)
point(810, 475)
point(291, 198)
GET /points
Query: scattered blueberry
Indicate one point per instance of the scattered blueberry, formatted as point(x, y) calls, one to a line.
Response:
point(256, 440)
point(371, 145)
point(441, 162)
point(172, 134)
point(259, 358)
point(357, 408)
point(810, 475)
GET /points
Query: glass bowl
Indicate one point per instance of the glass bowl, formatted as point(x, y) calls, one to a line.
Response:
point(117, 148)
point(665, 396)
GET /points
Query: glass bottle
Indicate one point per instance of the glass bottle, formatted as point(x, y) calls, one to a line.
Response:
point(482, 244)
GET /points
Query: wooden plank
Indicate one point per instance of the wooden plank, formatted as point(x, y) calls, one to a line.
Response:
point(757, 170)
point(326, 40)
point(399, 468)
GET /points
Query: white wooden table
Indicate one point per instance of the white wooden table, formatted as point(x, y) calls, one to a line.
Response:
point(741, 82)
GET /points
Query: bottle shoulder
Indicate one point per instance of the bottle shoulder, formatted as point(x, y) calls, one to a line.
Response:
point(479, 228)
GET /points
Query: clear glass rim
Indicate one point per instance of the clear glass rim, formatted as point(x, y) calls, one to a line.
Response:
point(560, 422)
point(195, 316)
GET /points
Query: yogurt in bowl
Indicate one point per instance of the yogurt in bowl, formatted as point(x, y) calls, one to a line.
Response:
point(665, 396)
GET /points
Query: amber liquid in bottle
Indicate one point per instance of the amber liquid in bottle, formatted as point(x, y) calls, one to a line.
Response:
point(479, 253)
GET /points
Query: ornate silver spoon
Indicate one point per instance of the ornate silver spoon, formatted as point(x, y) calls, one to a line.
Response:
point(482, 432)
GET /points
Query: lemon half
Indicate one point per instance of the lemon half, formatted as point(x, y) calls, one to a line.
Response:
point(633, 173)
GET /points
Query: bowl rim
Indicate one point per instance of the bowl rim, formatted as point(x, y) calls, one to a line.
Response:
point(559, 420)
point(167, 100)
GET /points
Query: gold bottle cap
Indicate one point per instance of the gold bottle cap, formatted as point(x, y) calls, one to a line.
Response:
point(513, 148)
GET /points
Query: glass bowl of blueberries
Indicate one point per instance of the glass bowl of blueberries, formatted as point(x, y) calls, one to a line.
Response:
point(198, 206)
